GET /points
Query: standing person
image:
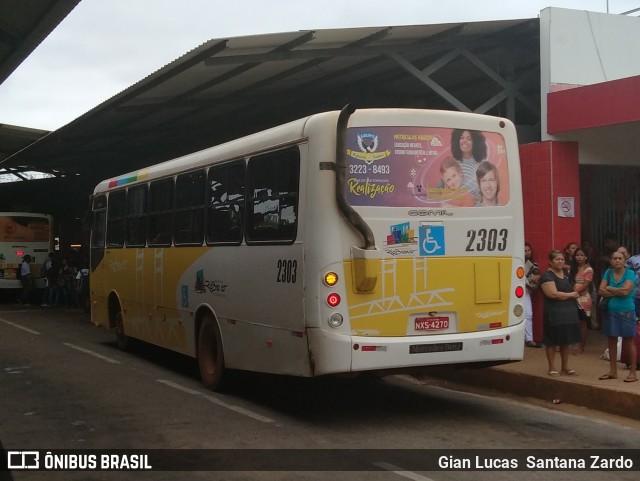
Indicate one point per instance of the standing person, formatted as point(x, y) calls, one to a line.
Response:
point(25, 280)
point(611, 245)
point(66, 282)
point(633, 263)
point(488, 184)
point(593, 256)
point(532, 277)
point(582, 275)
point(620, 321)
point(46, 293)
point(52, 281)
point(625, 253)
point(469, 148)
point(590, 250)
point(561, 325)
point(569, 251)
point(82, 288)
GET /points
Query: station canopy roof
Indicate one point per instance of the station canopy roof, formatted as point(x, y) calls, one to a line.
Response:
point(231, 87)
point(24, 24)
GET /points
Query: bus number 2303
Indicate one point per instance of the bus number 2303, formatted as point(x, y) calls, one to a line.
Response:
point(287, 271)
point(487, 240)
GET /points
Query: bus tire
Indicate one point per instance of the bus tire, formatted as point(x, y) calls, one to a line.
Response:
point(123, 341)
point(211, 354)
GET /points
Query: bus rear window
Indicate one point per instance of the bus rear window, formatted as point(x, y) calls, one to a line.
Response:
point(426, 167)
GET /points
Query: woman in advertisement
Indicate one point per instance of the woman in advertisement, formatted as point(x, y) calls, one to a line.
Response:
point(469, 148)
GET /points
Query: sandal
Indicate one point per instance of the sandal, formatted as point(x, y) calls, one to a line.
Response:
point(630, 379)
point(570, 372)
point(553, 373)
point(607, 376)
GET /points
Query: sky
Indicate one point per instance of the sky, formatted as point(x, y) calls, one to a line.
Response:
point(103, 47)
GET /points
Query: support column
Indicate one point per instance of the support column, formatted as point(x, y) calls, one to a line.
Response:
point(551, 194)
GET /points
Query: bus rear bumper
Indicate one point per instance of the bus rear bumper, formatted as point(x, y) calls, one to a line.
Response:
point(335, 353)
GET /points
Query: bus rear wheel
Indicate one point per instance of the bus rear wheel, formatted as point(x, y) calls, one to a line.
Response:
point(211, 355)
point(124, 341)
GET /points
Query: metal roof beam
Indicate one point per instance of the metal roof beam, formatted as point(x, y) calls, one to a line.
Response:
point(172, 72)
point(247, 65)
point(423, 76)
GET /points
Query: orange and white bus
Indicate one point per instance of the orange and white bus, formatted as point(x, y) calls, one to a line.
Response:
point(338, 243)
point(23, 233)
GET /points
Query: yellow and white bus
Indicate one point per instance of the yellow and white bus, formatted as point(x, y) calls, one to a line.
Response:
point(337, 243)
point(21, 234)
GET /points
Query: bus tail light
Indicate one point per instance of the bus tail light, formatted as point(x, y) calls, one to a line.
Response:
point(333, 299)
point(520, 272)
point(519, 292)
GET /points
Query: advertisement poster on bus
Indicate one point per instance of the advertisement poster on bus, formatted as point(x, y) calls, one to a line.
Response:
point(426, 167)
point(23, 229)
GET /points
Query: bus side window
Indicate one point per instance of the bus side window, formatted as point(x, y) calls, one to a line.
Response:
point(116, 218)
point(272, 181)
point(188, 227)
point(225, 203)
point(98, 230)
point(137, 216)
point(160, 212)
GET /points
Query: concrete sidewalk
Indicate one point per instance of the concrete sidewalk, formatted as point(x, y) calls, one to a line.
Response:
point(530, 378)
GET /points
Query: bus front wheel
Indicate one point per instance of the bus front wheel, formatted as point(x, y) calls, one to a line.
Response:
point(211, 355)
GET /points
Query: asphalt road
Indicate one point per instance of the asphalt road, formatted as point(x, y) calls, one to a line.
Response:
point(65, 385)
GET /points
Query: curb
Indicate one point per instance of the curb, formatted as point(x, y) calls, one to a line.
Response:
point(612, 401)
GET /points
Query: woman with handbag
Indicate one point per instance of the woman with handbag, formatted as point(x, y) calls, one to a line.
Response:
point(561, 325)
point(616, 290)
point(582, 276)
point(532, 277)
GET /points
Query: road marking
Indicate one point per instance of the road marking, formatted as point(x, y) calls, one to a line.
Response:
point(19, 326)
point(215, 400)
point(401, 472)
point(16, 369)
point(91, 353)
point(238, 409)
point(179, 387)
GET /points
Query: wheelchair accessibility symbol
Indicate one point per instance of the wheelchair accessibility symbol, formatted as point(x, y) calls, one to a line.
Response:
point(431, 240)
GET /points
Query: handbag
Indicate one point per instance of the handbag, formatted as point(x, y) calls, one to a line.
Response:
point(582, 314)
point(603, 303)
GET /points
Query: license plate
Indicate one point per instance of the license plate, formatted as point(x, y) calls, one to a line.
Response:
point(431, 323)
point(440, 347)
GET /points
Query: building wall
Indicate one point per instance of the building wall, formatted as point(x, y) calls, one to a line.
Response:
point(549, 173)
point(578, 48)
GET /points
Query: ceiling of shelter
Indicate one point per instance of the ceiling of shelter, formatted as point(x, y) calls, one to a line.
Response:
point(14, 139)
point(24, 24)
point(231, 87)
